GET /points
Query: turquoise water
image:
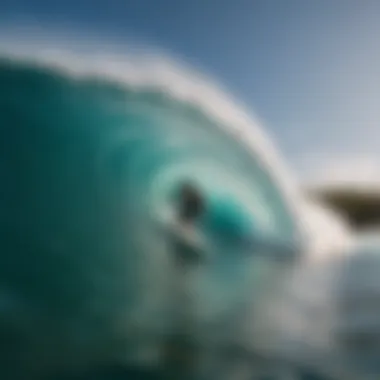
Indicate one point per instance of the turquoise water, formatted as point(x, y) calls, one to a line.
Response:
point(88, 167)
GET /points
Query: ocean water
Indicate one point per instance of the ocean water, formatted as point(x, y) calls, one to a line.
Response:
point(93, 151)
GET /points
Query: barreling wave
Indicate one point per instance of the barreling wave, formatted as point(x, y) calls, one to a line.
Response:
point(93, 147)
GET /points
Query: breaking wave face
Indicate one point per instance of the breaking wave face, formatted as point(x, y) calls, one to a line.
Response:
point(92, 151)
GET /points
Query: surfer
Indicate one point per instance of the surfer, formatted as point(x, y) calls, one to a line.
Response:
point(190, 208)
point(180, 353)
point(191, 204)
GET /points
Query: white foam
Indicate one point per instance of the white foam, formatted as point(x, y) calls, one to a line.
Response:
point(329, 234)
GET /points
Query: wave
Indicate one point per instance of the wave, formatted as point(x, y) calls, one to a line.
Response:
point(93, 148)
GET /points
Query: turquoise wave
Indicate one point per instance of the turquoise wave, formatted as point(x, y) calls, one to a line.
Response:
point(90, 167)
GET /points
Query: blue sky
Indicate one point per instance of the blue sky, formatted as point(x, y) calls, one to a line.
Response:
point(309, 69)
